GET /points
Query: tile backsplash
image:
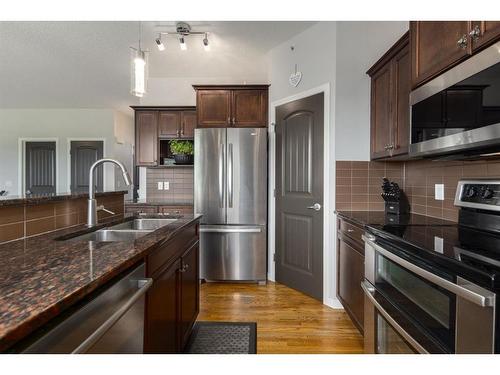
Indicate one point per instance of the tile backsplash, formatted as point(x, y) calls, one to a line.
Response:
point(181, 184)
point(358, 183)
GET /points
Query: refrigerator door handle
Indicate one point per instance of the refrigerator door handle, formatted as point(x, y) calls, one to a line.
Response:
point(222, 156)
point(230, 230)
point(230, 175)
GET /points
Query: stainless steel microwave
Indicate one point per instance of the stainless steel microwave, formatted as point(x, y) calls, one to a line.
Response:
point(458, 112)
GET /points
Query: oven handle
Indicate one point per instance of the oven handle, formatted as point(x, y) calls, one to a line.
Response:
point(369, 292)
point(470, 293)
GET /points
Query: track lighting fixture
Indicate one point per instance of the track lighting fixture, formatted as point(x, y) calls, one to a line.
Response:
point(182, 31)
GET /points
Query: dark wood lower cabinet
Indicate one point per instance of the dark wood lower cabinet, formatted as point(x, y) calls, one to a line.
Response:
point(172, 303)
point(350, 274)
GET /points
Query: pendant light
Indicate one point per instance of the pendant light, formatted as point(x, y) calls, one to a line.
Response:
point(138, 69)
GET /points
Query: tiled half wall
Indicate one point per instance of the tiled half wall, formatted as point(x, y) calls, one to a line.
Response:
point(181, 185)
point(358, 184)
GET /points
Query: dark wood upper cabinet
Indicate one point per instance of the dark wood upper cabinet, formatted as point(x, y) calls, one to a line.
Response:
point(146, 138)
point(213, 108)
point(249, 108)
point(436, 46)
point(390, 90)
point(169, 123)
point(188, 124)
point(484, 33)
point(233, 105)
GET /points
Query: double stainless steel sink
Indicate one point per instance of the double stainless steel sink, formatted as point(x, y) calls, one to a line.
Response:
point(127, 231)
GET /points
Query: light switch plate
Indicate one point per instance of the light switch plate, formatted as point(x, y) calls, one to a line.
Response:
point(439, 192)
point(438, 244)
point(160, 185)
point(166, 185)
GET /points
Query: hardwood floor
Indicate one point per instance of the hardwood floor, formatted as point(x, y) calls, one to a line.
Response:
point(287, 320)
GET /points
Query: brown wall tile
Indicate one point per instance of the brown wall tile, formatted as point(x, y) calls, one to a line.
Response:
point(39, 211)
point(11, 214)
point(40, 226)
point(9, 232)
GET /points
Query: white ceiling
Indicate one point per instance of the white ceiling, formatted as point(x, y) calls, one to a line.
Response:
point(87, 64)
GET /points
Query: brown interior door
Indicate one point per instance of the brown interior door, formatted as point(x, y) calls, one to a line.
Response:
point(188, 124)
point(249, 108)
point(401, 101)
point(436, 47)
point(299, 187)
point(40, 168)
point(169, 124)
point(484, 33)
point(381, 119)
point(213, 108)
point(146, 138)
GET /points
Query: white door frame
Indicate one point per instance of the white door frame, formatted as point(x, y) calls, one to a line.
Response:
point(329, 284)
point(21, 161)
point(104, 154)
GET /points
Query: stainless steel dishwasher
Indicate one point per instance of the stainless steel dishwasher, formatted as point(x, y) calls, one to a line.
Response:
point(112, 322)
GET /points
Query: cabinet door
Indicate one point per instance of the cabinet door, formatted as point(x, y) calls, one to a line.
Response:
point(162, 312)
point(350, 275)
point(381, 120)
point(189, 290)
point(249, 108)
point(435, 47)
point(146, 138)
point(401, 101)
point(169, 123)
point(213, 108)
point(484, 33)
point(188, 124)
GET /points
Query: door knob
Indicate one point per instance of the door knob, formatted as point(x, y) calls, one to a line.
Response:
point(315, 207)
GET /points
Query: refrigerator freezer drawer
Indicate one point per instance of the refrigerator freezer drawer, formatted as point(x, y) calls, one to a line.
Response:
point(233, 253)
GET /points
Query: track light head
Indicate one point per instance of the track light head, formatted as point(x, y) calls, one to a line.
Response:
point(159, 43)
point(206, 46)
point(182, 43)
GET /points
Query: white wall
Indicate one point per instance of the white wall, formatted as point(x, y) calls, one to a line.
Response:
point(338, 54)
point(61, 125)
point(359, 46)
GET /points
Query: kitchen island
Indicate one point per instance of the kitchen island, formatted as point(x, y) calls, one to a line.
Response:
point(43, 276)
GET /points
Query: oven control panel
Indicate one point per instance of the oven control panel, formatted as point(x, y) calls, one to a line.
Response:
point(483, 194)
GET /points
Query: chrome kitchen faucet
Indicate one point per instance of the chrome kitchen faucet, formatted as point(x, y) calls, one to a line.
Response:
point(92, 207)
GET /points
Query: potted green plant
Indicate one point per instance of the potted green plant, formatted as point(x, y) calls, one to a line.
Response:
point(183, 151)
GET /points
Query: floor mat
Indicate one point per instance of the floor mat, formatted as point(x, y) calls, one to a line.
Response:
point(222, 338)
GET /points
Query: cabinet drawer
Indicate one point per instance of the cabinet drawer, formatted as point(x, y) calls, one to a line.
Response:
point(351, 230)
point(166, 253)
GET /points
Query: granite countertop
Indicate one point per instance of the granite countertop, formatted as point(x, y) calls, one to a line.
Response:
point(9, 200)
point(379, 218)
point(41, 276)
point(155, 202)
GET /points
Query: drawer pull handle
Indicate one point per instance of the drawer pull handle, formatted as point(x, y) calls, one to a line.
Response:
point(350, 230)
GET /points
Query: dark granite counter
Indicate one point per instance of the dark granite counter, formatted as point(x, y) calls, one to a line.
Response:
point(14, 200)
point(379, 218)
point(42, 276)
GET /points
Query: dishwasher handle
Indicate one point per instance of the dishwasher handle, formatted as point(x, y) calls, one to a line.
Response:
point(143, 286)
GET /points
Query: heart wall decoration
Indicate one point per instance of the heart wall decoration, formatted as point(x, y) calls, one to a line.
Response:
point(295, 77)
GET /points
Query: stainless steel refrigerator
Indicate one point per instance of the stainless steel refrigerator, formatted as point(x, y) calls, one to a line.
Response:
point(230, 191)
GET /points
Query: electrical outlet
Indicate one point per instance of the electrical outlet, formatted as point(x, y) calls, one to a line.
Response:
point(438, 244)
point(160, 185)
point(166, 185)
point(439, 192)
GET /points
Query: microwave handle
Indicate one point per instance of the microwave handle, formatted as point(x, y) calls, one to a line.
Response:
point(369, 291)
point(471, 293)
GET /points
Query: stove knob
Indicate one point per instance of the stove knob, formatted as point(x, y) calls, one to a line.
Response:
point(471, 192)
point(487, 194)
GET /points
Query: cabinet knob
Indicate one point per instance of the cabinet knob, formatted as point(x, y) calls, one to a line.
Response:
point(475, 33)
point(234, 120)
point(462, 42)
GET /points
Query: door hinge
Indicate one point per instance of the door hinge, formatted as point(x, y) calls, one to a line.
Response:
point(274, 193)
point(274, 257)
